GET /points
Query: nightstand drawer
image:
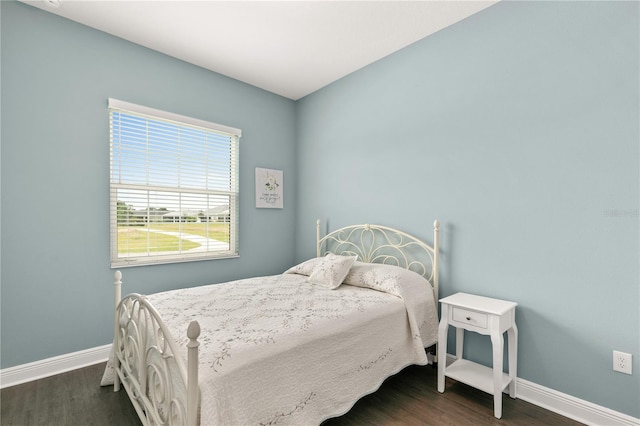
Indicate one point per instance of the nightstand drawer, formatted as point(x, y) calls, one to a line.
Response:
point(464, 316)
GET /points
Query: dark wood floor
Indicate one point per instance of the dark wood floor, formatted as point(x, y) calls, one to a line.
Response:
point(409, 398)
point(73, 398)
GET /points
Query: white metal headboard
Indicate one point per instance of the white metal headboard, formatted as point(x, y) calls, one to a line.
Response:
point(381, 244)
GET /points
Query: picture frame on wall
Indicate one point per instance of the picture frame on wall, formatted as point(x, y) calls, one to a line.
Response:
point(269, 188)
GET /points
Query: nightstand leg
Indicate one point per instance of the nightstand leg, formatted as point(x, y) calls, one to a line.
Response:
point(443, 327)
point(442, 353)
point(459, 342)
point(497, 340)
point(512, 335)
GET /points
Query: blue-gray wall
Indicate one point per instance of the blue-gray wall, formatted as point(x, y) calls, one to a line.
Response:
point(57, 291)
point(518, 128)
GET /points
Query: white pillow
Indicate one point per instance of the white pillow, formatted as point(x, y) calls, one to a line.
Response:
point(332, 270)
point(305, 268)
point(381, 277)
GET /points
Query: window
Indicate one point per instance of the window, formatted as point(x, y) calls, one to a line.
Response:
point(174, 187)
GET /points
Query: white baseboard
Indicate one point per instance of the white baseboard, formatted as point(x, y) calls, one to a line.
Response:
point(571, 407)
point(567, 405)
point(51, 366)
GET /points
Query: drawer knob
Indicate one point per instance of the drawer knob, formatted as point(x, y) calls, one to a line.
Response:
point(468, 318)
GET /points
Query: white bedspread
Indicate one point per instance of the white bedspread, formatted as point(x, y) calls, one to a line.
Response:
point(279, 350)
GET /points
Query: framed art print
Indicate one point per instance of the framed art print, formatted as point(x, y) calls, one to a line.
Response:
point(269, 188)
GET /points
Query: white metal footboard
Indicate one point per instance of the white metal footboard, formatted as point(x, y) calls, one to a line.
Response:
point(162, 387)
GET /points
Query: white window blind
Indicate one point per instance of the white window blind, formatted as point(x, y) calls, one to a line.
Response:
point(174, 187)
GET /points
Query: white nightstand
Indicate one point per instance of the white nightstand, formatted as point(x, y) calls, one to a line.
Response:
point(485, 316)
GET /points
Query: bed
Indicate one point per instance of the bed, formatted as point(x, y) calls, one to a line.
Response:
point(295, 348)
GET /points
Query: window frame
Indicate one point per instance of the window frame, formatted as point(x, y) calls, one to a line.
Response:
point(116, 185)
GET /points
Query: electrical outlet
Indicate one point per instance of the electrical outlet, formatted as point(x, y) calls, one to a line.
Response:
point(622, 362)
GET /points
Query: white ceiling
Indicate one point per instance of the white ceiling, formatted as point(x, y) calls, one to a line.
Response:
point(291, 48)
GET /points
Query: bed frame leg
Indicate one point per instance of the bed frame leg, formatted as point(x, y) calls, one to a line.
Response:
point(193, 332)
point(116, 363)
